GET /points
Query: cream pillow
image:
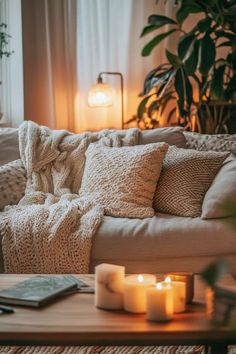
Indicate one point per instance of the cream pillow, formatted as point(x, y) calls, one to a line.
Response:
point(12, 183)
point(207, 142)
point(185, 178)
point(123, 179)
point(223, 189)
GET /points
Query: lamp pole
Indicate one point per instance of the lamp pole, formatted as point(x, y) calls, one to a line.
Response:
point(99, 80)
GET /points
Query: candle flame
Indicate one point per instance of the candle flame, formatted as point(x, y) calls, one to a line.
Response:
point(168, 280)
point(159, 286)
point(140, 278)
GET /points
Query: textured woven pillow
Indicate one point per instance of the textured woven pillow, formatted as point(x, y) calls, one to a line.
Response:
point(12, 183)
point(185, 178)
point(123, 179)
point(222, 190)
point(207, 142)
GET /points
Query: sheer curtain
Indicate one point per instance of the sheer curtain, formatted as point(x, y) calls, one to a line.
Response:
point(108, 40)
point(49, 49)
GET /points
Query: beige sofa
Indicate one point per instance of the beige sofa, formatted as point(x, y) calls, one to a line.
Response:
point(160, 244)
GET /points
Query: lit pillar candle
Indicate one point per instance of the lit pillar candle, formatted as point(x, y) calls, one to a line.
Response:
point(179, 294)
point(135, 291)
point(160, 303)
point(109, 286)
point(188, 279)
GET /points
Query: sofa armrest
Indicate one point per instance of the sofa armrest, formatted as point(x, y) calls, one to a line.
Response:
point(12, 183)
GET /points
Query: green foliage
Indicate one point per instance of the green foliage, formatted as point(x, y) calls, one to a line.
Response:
point(196, 60)
point(4, 41)
point(214, 272)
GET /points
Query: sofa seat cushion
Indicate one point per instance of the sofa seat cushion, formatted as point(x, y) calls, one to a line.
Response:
point(162, 236)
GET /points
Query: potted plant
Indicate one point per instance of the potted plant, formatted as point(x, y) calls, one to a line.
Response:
point(197, 76)
point(4, 41)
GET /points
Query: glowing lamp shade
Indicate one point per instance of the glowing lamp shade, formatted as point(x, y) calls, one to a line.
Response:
point(100, 95)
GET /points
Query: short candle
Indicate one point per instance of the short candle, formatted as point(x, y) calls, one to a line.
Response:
point(160, 303)
point(135, 289)
point(179, 294)
point(188, 279)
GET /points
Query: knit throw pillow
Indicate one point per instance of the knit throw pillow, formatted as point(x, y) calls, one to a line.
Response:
point(207, 142)
point(12, 183)
point(123, 179)
point(185, 178)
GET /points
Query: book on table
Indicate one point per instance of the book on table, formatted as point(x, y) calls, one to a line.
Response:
point(39, 290)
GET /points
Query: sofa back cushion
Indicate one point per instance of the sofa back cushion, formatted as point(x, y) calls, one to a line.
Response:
point(9, 149)
point(185, 178)
point(169, 135)
point(123, 179)
point(9, 146)
point(222, 190)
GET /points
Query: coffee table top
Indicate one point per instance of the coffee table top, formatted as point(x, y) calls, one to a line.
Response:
point(74, 320)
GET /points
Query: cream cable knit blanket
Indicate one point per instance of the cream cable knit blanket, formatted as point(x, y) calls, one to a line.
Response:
point(51, 229)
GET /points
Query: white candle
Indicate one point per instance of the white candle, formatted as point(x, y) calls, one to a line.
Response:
point(160, 303)
point(188, 279)
point(179, 293)
point(135, 289)
point(109, 286)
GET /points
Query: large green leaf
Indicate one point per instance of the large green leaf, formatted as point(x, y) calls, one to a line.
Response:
point(231, 88)
point(180, 89)
point(173, 59)
point(155, 77)
point(156, 80)
point(153, 107)
point(142, 106)
point(185, 10)
point(189, 92)
point(228, 35)
point(208, 54)
point(204, 24)
point(155, 41)
point(171, 114)
point(217, 83)
point(191, 63)
point(184, 91)
point(225, 44)
point(159, 20)
point(148, 29)
point(185, 44)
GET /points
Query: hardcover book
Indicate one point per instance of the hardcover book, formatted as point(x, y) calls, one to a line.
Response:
point(39, 290)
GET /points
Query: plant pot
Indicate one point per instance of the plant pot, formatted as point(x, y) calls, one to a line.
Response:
point(217, 118)
point(220, 305)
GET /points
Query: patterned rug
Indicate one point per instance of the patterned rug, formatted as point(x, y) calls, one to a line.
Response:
point(104, 350)
point(109, 350)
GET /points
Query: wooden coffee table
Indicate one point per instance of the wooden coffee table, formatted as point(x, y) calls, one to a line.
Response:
point(74, 320)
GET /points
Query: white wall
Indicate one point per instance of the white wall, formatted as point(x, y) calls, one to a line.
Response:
point(11, 69)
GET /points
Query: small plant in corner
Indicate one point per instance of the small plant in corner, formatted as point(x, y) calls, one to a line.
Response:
point(196, 65)
point(4, 41)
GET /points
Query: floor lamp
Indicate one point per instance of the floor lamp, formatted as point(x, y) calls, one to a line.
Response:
point(101, 95)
